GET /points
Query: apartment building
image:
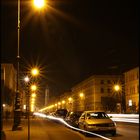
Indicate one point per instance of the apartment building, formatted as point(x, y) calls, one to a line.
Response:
point(97, 93)
point(8, 86)
point(132, 90)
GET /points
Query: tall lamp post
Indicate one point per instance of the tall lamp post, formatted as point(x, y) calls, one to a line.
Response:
point(17, 107)
point(34, 73)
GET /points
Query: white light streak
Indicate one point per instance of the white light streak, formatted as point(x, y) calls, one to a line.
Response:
point(61, 120)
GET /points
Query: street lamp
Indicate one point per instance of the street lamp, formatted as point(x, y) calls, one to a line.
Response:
point(82, 101)
point(39, 3)
point(17, 108)
point(34, 72)
point(118, 88)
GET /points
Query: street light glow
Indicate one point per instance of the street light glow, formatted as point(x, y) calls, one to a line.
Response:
point(34, 72)
point(33, 87)
point(81, 95)
point(116, 87)
point(26, 79)
point(63, 102)
point(33, 95)
point(39, 3)
point(70, 99)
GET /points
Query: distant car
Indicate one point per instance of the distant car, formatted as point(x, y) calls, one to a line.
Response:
point(96, 121)
point(73, 117)
point(61, 113)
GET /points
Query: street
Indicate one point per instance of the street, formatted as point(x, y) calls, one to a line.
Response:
point(43, 129)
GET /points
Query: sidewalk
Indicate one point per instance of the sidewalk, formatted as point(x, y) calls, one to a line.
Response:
point(8, 134)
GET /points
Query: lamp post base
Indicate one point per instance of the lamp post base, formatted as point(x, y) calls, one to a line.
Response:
point(17, 121)
point(15, 127)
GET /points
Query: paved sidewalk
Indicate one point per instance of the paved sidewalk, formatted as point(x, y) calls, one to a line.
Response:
point(8, 134)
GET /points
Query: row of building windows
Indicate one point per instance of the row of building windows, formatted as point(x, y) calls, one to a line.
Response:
point(102, 90)
point(108, 81)
point(132, 90)
point(103, 82)
point(132, 77)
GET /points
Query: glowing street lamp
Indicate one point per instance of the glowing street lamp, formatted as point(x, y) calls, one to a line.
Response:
point(39, 4)
point(81, 95)
point(70, 99)
point(33, 95)
point(34, 72)
point(116, 87)
point(63, 102)
point(33, 87)
point(26, 79)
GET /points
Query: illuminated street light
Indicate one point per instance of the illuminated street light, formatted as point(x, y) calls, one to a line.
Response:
point(33, 87)
point(116, 87)
point(17, 105)
point(26, 79)
point(33, 95)
point(39, 4)
point(59, 103)
point(63, 102)
point(34, 72)
point(81, 95)
point(70, 99)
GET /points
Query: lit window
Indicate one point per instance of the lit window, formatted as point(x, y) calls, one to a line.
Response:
point(130, 102)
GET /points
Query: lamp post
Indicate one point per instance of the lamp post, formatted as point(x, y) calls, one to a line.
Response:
point(32, 88)
point(82, 101)
point(17, 107)
point(119, 89)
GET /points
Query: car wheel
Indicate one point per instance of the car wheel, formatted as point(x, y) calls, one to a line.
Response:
point(86, 134)
point(113, 133)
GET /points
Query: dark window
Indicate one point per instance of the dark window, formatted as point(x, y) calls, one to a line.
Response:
point(108, 81)
point(108, 90)
point(102, 81)
point(102, 90)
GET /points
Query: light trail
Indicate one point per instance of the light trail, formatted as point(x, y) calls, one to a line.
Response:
point(130, 118)
point(61, 120)
point(136, 116)
point(125, 120)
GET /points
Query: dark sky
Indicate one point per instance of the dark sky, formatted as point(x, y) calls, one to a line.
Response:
point(72, 39)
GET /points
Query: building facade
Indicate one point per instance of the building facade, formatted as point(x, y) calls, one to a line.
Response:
point(132, 90)
point(8, 82)
point(110, 93)
point(97, 93)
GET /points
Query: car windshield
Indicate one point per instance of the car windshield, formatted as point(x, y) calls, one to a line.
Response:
point(97, 115)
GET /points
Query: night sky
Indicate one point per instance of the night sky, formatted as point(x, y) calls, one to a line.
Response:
point(72, 39)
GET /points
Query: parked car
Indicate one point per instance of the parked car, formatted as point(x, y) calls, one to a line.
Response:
point(61, 113)
point(73, 117)
point(96, 121)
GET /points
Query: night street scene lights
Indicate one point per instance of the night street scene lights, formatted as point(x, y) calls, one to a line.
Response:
point(17, 107)
point(34, 72)
point(31, 88)
point(39, 4)
point(118, 89)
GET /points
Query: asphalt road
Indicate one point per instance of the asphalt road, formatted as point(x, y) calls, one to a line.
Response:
point(43, 129)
